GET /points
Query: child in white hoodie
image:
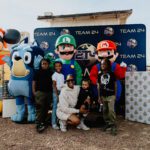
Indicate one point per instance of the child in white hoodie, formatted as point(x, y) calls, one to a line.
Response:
point(66, 111)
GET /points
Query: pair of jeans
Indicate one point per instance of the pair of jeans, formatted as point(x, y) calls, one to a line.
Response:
point(55, 101)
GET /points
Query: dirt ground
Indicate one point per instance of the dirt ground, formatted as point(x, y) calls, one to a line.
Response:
point(131, 136)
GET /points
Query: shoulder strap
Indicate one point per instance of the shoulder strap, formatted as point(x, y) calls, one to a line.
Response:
point(98, 67)
point(113, 66)
point(72, 62)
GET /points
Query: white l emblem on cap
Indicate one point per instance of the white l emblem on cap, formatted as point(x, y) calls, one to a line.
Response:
point(66, 40)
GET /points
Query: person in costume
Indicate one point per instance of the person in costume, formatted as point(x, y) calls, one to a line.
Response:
point(108, 49)
point(10, 36)
point(22, 61)
point(65, 48)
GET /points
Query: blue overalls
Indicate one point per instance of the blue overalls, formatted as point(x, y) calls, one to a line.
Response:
point(69, 69)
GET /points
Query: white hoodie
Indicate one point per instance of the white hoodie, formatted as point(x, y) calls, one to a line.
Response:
point(67, 101)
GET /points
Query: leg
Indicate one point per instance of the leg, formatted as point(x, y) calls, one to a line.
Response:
point(82, 125)
point(73, 120)
point(106, 114)
point(20, 106)
point(40, 99)
point(41, 109)
point(112, 115)
point(54, 121)
point(111, 111)
point(63, 125)
point(31, 110)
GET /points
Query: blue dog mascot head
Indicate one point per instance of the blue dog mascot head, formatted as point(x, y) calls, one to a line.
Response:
point(24, 59)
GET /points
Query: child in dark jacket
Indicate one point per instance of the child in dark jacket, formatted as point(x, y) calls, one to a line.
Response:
point(42, 90)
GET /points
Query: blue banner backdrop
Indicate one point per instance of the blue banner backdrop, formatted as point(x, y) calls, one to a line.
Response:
point(130, 40)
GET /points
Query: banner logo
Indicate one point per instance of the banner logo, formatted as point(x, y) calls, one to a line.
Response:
point(109, 31)
point(132, 43)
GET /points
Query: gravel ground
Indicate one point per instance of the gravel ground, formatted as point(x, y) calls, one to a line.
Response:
point(131, 136)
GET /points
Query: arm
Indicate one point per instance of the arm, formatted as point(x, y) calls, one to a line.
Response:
point(115, 88)
point(64, 106)
point(120, 71)
point(55, 88)
point(34, 87)
point(94, 75)
point(7, 60)
point(100, 100)
point(1, 38)
point(99, 94)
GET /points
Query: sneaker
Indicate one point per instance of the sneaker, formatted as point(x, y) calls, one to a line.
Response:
point(114, 130)
point(54, 126)
point(40, 127)
point(83, 127)
point(63, 125)
point(107, 127)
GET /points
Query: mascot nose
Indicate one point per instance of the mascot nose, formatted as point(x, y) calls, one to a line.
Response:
point(17, 58)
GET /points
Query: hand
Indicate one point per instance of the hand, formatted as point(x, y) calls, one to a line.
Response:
point(34, 93)
point(83, 110)
point(100, 100)
point(1, 45)
point(123, 64)
point(87, 101)
point(37, 60)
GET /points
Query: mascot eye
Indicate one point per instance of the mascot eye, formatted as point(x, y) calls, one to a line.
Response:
point(27, 57)
point(108, 52)
point(15, 55)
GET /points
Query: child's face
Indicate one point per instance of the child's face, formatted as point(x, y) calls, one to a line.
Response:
point(85, 85)
point(58, 67)
point(44, 65)
point(104, 65)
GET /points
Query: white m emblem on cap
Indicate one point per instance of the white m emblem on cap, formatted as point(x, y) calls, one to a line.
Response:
point(104, 44)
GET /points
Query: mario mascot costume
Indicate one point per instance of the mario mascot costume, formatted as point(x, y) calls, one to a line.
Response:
point(22, 61)
point(65, 48)
point(107, 49)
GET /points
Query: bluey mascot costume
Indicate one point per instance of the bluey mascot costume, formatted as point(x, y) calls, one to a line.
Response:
point(24, 59)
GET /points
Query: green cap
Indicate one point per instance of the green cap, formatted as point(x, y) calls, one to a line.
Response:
point(65, 39)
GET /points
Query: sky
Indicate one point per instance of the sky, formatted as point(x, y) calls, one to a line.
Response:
point(22, 14)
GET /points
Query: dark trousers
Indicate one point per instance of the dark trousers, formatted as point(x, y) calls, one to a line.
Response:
point(42, 100)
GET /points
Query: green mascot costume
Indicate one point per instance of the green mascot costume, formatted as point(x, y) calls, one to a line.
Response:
point(65, 48)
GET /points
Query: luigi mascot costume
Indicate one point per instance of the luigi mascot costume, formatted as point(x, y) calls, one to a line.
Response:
point(65, 48)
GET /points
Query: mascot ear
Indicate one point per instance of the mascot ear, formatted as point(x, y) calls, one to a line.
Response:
point(12, 36)
point(75, 51)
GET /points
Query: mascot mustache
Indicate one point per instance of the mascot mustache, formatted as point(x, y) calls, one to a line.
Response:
point(66, 53)
point(109, 57)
